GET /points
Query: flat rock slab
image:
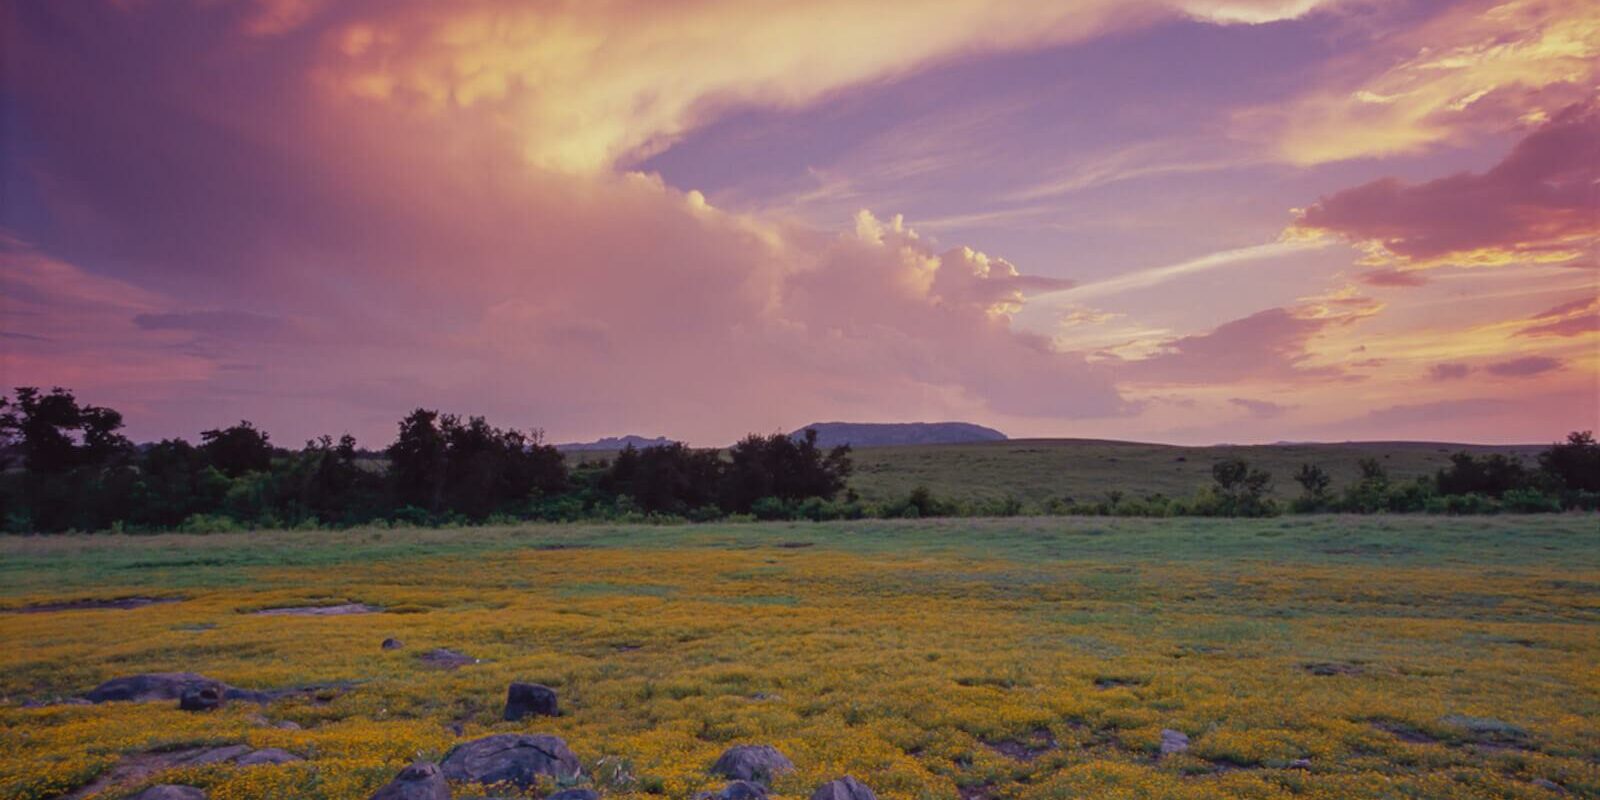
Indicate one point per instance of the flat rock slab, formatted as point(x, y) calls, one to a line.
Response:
point(170, 791)
point(117, 603)
point(151, 686)
point(445, 658)
point(138, 767)
point(344, 609)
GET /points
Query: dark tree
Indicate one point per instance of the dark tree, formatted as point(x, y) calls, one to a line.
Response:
point(1575, 464)
point(1241, 490)
point(417, 461)
point(782, 467)
point(670, 478)
point(174, 482)
point(326, 481)
point(57, 435)
point(237, 450)
point(1313, 480)
point(1492, 476)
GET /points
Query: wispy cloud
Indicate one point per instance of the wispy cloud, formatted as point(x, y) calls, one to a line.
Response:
point(1155, 276)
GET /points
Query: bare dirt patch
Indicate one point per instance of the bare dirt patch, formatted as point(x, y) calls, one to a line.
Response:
point(343, 609)
point(117, 603)
point(1037, 744)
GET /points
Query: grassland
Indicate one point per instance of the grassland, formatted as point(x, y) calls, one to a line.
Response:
point(1039, 470)
point(1026, 659)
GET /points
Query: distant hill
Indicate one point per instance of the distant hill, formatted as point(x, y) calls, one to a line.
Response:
point(886, 434)
point(612, 443)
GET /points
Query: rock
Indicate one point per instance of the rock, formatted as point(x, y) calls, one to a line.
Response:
point(751, 762)
point(1487, 729)
point(511, 758)
point(530, 700)
point(392, 644)
point(343, 609)
point(1300, 763)
point(202, 697)
point(846, 788)
point(740, 790)
point(149, 686)
point(420, 781)
point(169, 791)
point(267, 755)
point(1173, 741)
point(1549, 785)
point(217, 755)
point(574, 794)
point(445, 658)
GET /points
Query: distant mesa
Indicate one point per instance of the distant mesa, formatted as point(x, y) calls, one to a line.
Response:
point(886, 434)
point(614, 443)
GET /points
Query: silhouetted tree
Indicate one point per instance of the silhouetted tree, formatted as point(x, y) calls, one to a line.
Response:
point(783, 467)
point(1240, 489)
point(417, 461)
point(1575, 464)
point(1492, 476)
point(670, 478)
point(1313, 480)
point(237, 450)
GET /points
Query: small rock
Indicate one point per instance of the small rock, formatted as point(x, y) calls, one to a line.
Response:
point(287, 725)
point(202, 697)
point(1300, 763)
point(574, 794)
point(1173, 741)
point(218, 755)
point(530, 700)
point(420, 781)
point(266, 755)
point(392, 644)
point(751, 762)
point(846, 788)
point(1550, 785)
point(511, 758)
point(169, 791)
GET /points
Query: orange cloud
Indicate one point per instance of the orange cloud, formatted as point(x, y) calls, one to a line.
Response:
point(586, 86)
point(1476, 67)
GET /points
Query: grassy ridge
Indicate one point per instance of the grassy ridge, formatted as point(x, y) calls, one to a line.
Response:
point(1039, 470)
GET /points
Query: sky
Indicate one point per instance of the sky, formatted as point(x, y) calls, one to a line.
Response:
point(1186, 221)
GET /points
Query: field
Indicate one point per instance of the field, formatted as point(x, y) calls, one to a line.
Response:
point(1039, 470)
point(1024, 659)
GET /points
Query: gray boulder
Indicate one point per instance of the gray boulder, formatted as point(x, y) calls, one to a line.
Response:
point(511, 758)
point(420, 781)
point(392, 644)
point(168, 791)
point(150, 686)
point(202, 697)
point(266, 755)
point(574, 794)
point(846, 788)
point(737, 790)
point(751, 762)
point(1173, 741)
point(530, 700)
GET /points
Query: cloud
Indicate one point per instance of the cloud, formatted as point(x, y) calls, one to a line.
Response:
point(1574, 318)
point(1259, 409)
point(226, 324)
point(1449, 372)
point(1155, 276)
point(1524, 367)
point(1467, 71)
point(589, 85)
point(1536, 205)
point(1391, 277)
point(1268, 344)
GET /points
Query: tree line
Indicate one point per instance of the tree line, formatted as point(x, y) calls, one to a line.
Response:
point(65, 465)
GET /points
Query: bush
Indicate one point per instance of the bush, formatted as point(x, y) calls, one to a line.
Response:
point(1529, 501)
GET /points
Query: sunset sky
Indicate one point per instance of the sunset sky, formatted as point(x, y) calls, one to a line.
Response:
point(1188, 221)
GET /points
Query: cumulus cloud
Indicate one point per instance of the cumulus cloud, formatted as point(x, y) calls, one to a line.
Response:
point(1536, 205)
